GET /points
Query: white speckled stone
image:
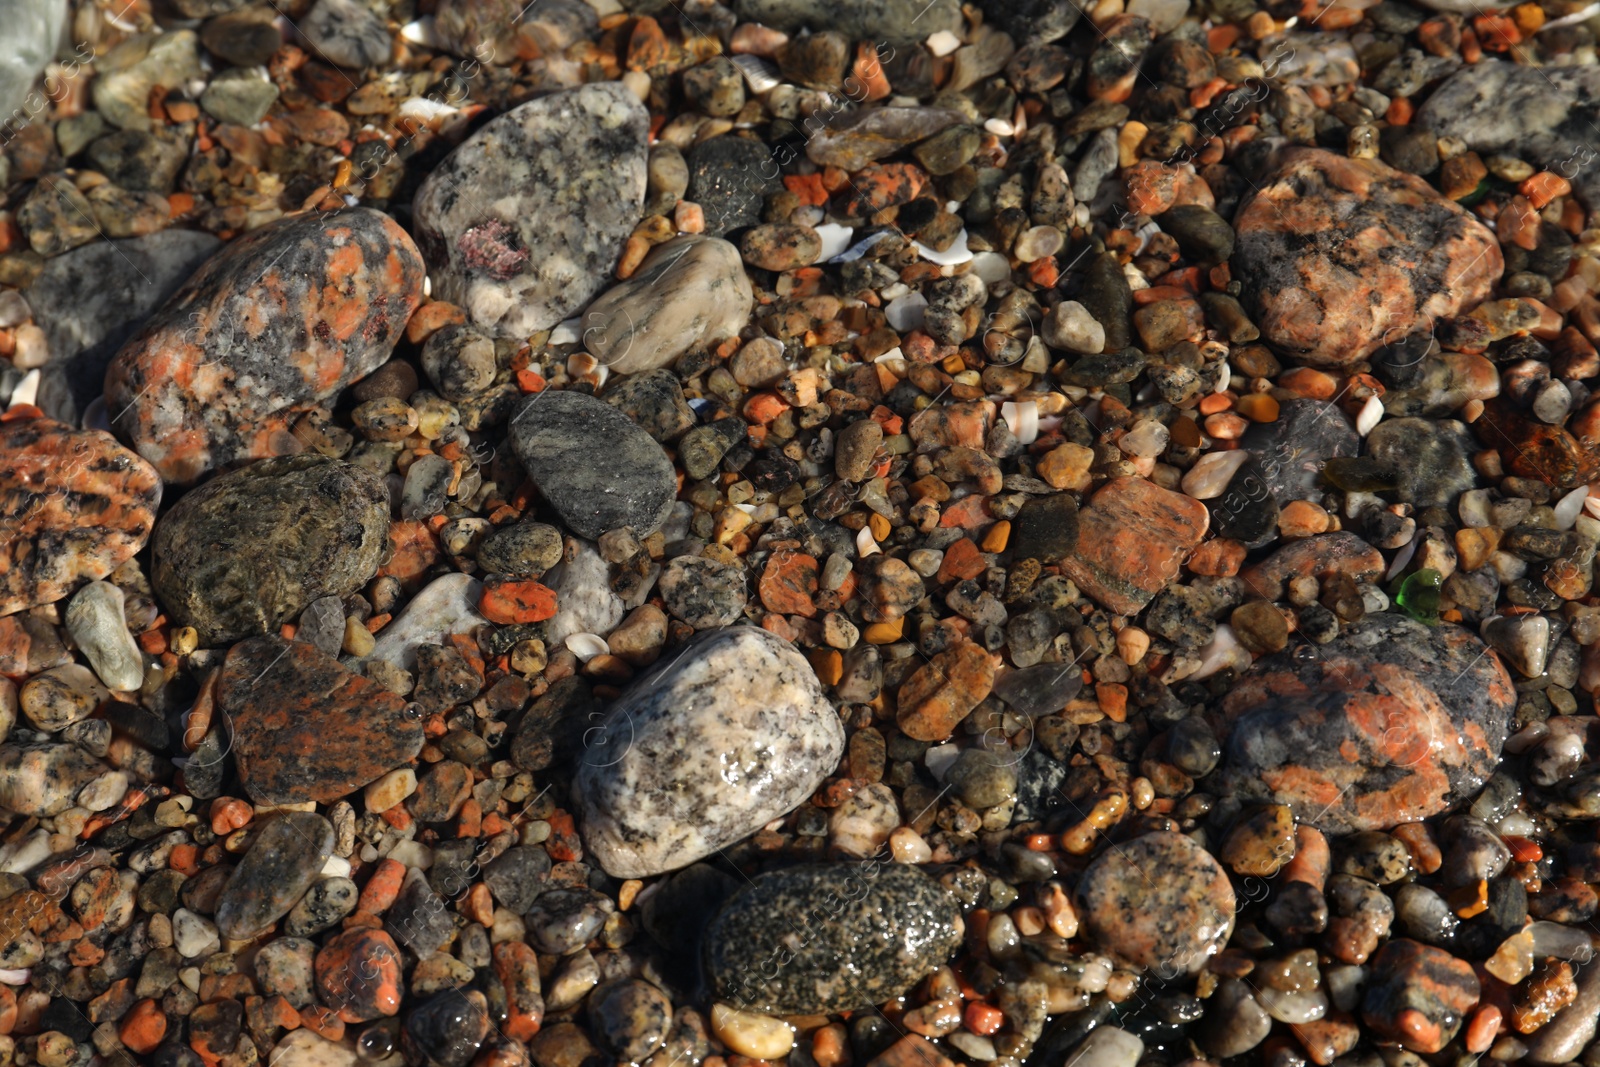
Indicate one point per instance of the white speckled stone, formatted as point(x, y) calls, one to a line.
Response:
point(585, 603)
point(523, 223)
point(730, 732)
point(447, 605)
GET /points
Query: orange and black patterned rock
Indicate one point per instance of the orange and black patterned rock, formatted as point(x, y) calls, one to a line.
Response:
point(1419, 995)
point(1342, 256)
point(74, 504)
point(305, 728)
point(282, 318)
point(1132, 538)
point(1160, 901)
point(1389, 723)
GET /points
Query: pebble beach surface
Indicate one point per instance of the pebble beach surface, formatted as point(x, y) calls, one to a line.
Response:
point(822, 533)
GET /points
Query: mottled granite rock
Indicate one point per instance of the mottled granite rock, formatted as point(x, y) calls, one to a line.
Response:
point(1544, 115)
point(689, 292)
point(1160, 901)
point(730, 178)
point(92, 299)
point(1340, 552)
point(829, 938)
point(1418, 995)
point(1131, 539)
point(46, 778)
point(728, 734)
point(1390, 722)
point(524, 222)
point(595, 466)
point(870, 134)
point(305, 728)
point(585, 601)
point(74, 505)
point(245, 552)
point(282, 862)
point(283, 317)
point(1341, 256)
point(1431, 458)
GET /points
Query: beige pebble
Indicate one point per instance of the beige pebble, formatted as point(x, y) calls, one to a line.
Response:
point(747, 1033)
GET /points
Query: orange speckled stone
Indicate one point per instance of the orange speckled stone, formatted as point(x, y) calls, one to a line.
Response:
point(1318, 557)
point(1391, 722)
point(305, 728)
point(74, 504)
point(1160, 902)
point(1340, 255)
point(282, 318)
point(1132, 538)
point(358, 974)
point(943, 691)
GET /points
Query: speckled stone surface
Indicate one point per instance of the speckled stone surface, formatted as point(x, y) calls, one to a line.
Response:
point(1132, 538)
point(282, 862)
point(598, 468)
point(523, 224)
point(1160, 902)
point(245, 552)
point(689, 292)
point(305, 728)
point(831, 937)
point(1546, 116)
point(74, 504)
point(723, 737)
point(1390, 722)
point(1341, 256)
point(281, 318)
point(45, 779)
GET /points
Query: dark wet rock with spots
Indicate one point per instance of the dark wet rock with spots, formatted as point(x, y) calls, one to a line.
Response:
point(305, 728)
point(74, 505)
point(1546, 116)
point(248, 550)
point(1341, 256)
point(90, 300)
point(595, 466)
point(873, 930)
point(655, 789)
point(283, 860)
point(448, 1029)
point(1160, 902)
point(280, 319)
point(730, 177)
point(1392, 722)
point(1431, 458)
point(1289, 453)
point(523, 224)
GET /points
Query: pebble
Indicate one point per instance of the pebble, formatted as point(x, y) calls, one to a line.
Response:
point(347, 33)
point(1334, 311)
point(282, 862)
point(1160, 901)
point(661, 805)
point(1390, 723)
point(305, 728)
point(558, 184)
point(729, 177)
point(705, 593)
point(596, 467)
point(446, 605)
point(447, 1029)
point(1431, 458)
point(870, 134)
point(1132, 538)
point(874, 931)
point(689, 293)
point(247, 551)
point(632, 1018)
point(77, 506)
point(1418, 995)
point(94, 617)
point(189, 398)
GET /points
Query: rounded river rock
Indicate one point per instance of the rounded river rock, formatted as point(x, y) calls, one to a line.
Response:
point(280, 319)
point(1391, 722)
point(829, 937)
point(245, 552)
point(727, 735)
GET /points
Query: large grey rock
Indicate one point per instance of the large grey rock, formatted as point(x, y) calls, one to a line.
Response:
point(32, 33)
point(524, 222)
point(595, 466)
point(829, 938)
point(728, 734)
point(92, 299)
point(1546, 115)
point(245, 552)
point(688, 292)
